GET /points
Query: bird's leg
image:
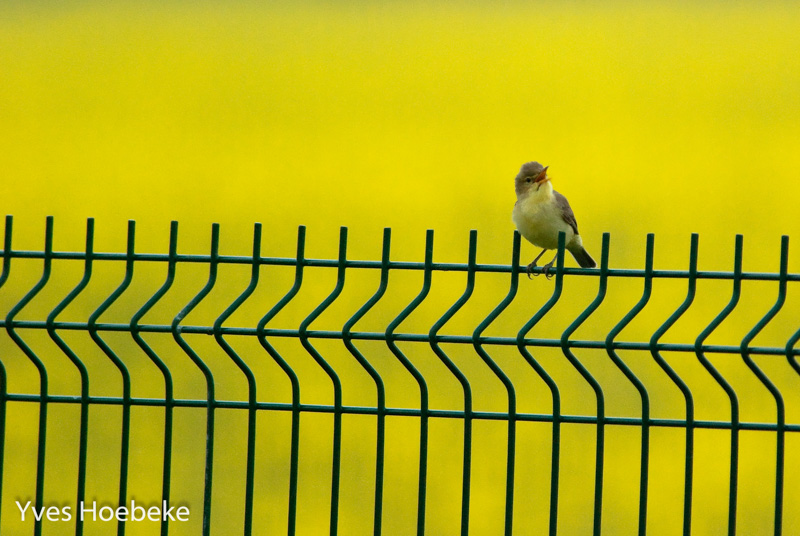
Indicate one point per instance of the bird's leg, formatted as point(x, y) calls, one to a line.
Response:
point(546, 268)
point(532, 265)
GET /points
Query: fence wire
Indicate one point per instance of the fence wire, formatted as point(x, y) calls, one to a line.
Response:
point(393, 337)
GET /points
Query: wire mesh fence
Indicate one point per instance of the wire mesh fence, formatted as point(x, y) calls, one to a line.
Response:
point(534, 434)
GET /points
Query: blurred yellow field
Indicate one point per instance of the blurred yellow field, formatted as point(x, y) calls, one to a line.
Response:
point(664, 118)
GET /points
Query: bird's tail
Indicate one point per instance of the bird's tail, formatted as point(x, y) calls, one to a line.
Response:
point(582, 256)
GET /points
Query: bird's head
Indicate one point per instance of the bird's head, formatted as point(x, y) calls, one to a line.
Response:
point(531, 177)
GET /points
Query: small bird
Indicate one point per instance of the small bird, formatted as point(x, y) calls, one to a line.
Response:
point(540, 213)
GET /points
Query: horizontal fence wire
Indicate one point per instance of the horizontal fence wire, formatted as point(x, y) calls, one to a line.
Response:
point(481, 344)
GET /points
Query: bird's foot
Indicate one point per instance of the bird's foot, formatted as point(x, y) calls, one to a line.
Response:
point(530, 268)
point(546, 269)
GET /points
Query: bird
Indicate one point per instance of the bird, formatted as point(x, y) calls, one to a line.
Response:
point(540, 213)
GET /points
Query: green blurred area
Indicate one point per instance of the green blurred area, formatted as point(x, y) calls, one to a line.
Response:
point(668, 118)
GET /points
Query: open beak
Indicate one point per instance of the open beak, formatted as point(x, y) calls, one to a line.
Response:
point(542, 177)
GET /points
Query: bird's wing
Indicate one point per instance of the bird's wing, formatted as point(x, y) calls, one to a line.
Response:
point(566, 211)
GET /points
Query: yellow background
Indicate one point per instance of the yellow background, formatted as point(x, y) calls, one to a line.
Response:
point(666, 118)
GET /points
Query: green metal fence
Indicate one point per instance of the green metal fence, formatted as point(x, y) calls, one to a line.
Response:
point(424, 414)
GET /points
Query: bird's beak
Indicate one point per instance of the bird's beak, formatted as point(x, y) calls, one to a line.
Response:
point(542, 177)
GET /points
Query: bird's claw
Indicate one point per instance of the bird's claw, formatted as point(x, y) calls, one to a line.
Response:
point(530, 268)
point(546, 270)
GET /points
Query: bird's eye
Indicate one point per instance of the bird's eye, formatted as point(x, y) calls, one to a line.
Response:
point(528, 179)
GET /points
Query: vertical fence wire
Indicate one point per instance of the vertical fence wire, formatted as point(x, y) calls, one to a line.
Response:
point(462, 379)
point(511, 443)
point(723, 383)
point(43, 378)
point(764, 379)
point(123, 370)
point(248, 373)
point(644, 463)
point(84, 373)
point(3, 373)
point(347, 331)
point(336, 464)
point(676, 379)
point(551, 384)
point(169, 396)
point(211, 403)
point(292, 375)
point(598, 391)
point(422, 479)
